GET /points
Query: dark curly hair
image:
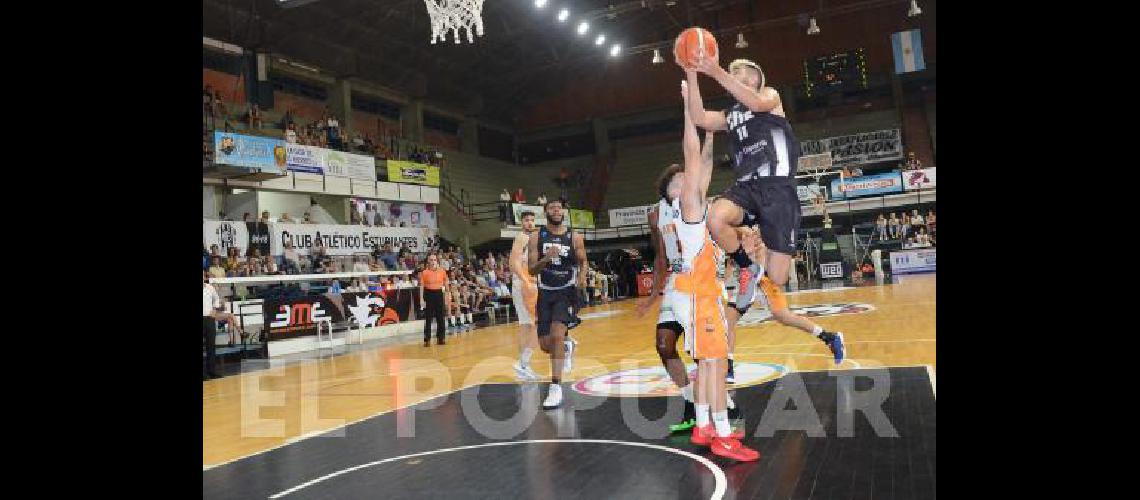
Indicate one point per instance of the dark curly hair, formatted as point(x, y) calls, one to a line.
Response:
point(667, 177)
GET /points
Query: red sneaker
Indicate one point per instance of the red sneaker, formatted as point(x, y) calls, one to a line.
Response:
point(729, 447)
point(702, 436)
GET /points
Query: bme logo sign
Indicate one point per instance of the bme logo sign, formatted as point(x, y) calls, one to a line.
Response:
point(298, 316)
point(831, 270)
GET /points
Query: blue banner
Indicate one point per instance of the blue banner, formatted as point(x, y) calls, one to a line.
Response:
point(866, 185)
point(249, 151)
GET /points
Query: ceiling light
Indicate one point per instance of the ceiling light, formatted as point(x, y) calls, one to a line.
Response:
point(540, 3)
point(914, 10)
point(740, 43)
point(615, 50)
point(600, 40)
point(813, 29)
point(563, 14)
point(657, 59)
point(583, 27)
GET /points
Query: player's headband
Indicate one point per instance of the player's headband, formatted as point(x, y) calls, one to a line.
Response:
point(750, 64)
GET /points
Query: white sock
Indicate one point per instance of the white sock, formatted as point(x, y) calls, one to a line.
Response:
point(730, 355)
point(687, 393)
point(702, 415)
point(524, 358)
point(468, 316)
point(730, 404)
point(720, 420)
point(817, 331)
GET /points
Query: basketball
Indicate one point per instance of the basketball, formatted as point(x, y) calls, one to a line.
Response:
point(689, 44)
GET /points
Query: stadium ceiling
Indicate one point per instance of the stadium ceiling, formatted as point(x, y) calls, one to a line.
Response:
point(524, 55)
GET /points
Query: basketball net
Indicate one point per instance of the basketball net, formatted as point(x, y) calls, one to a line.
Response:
point(455, 15)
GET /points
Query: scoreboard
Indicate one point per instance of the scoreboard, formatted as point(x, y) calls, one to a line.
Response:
point(841, 71)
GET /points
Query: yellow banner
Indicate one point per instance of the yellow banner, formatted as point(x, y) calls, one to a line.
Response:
point(412, 173)
point(581, 218)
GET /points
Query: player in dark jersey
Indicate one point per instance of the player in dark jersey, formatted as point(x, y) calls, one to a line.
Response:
point(765, 154)
point(561, 273)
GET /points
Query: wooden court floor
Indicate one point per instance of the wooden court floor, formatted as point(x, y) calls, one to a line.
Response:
point(264, 409)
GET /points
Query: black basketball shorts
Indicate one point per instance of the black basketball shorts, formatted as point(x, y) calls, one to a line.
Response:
point(774, 207)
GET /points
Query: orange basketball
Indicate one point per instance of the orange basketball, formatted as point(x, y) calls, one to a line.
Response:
point(689, 44)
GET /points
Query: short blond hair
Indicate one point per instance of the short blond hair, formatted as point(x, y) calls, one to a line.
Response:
point(745, 62)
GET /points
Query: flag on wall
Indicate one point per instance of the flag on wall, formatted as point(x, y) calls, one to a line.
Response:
point(907, 46)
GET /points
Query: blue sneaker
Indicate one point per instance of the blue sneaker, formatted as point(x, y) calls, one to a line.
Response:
point(746, 287)
point(834, 342)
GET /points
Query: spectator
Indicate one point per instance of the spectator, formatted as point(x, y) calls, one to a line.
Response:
point(265, 217)
point(286, 219)
point(370, 215)
point(216, 269)
point(291, 260)
point(504, 206)
point(378, 265)
point(361, 264)
point(893, 225)
point(248, 217)
point(916, 222)
point(254, 116)
point(308, 219)
point(881, 227)
point(541, 199)
point(388, 256)
point(214, 252)
point(233, 261)
point(519, 198)
point(208, 101)
point(219, 104)
point(912, 162)
point(291, 134)
point(904, 226)
point(868, 269)
point(319, 252)
point(930, 224)
point(335, 288)
point(269, 265)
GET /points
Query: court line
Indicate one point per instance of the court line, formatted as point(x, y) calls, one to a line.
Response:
point(718, 473)
point(308, 435)
point(930, 373)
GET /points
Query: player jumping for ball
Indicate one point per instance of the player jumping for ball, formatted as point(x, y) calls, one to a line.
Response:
point(698, 304)
point(764, 157)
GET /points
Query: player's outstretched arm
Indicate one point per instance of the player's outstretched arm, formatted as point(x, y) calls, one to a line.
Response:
point(692, 203)
point(708, 120)
point(706, 163)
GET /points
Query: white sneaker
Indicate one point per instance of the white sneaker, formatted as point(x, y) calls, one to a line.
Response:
point(524, 372)
point(568, 362)
point(553, 398)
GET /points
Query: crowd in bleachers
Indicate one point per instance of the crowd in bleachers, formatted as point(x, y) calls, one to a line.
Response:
point(324, 132)
point(912, 229)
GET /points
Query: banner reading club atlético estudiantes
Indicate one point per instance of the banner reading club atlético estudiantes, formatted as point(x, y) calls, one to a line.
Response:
point(337, 239)
point(348, 240)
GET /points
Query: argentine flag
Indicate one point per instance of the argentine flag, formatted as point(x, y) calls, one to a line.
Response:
point(907, 46)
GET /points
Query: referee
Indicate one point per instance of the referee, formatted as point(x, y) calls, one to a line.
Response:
point(433, 284)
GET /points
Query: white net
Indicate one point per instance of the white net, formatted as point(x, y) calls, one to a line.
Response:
point(453, 16)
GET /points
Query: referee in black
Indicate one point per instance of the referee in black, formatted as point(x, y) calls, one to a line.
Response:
point(433, 288)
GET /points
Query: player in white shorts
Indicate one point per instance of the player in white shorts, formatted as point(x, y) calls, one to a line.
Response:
point(524, 291)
